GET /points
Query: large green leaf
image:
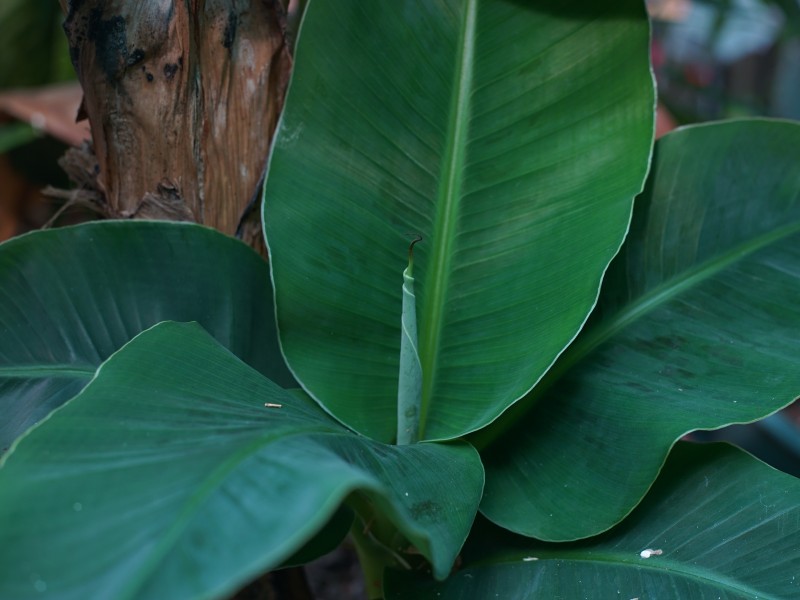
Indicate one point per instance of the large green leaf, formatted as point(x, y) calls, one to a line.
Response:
point(511, 135)
point(71, 297)
point(698, 326)
point(180, 472)
point(718, 524)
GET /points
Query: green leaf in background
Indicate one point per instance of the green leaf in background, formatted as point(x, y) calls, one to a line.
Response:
point(71, 297)
point(717, 524)
point(180, 472)
point(511, 135)
point(16, 134)
point(409, 392)
point(33, 47)
point(697, 327)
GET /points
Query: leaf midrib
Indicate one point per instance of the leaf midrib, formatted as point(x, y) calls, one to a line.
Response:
point(662, 565)
point(210, 485)
point(448, 200)
point(664, 293)
point(45, 371)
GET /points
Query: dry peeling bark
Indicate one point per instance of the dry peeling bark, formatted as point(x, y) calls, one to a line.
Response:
point(183, 99)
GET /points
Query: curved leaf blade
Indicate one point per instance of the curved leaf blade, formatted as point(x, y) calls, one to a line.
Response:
point(697, 327)
point(718, 523)
point(423, 120)
point(71, 297)
point(181, 472)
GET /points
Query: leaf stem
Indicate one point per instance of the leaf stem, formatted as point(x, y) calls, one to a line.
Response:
point(367, 532)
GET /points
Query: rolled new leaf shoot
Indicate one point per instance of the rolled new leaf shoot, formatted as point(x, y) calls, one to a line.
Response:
point(409, 389)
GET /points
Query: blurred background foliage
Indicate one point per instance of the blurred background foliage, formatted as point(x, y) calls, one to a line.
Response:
point(33, 47)
point(33, 53)
point(720, 59)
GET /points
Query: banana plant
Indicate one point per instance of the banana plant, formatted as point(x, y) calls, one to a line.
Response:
point(492, 406)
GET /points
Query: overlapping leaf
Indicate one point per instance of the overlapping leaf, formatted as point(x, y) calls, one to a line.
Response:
point(179, 472)
point(511, 135)
point(71, 297)
point(698, 326)
point(717, 524)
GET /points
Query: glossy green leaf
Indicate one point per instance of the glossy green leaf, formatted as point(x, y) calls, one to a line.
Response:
point(511, 135)
point(409, 392)
point(718, 524)
point(71, 297)
point(698, 326)
point(180, 472)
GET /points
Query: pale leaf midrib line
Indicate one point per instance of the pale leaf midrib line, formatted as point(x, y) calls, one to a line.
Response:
point(49, 370)
point(662, 565)
point(448, 200)
point(209, 484)
point(671, 289)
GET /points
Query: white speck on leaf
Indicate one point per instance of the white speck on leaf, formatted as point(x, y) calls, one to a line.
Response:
point(649, 552)
point(289, 137)
point(530, 558)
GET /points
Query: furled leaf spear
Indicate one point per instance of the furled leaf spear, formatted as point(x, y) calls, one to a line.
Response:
point(409, 390)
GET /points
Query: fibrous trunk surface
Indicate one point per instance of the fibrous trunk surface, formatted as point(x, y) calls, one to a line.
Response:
point(182, 98)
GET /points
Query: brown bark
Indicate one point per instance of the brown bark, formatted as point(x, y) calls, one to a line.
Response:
point(183, 99)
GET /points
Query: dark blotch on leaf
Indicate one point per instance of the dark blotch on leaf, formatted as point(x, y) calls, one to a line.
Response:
point(425, 510)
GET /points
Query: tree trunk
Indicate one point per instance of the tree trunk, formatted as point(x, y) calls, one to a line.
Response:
point(183, 99)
